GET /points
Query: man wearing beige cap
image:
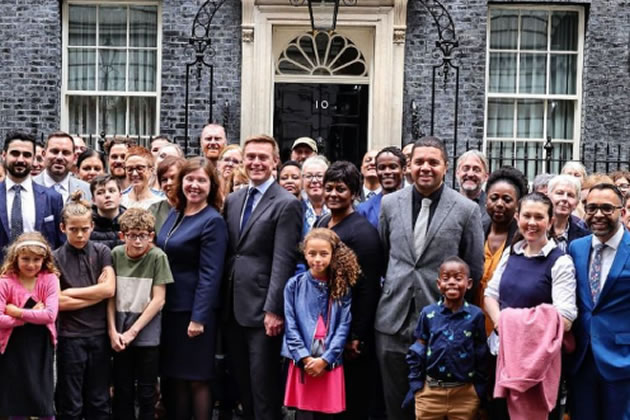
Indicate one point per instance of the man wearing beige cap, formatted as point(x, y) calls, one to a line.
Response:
point(303, 148)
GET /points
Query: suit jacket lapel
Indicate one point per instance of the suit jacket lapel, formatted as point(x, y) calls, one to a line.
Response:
point(265, 201)
point(405, 206)
point(3, 208)
point(621, 256)
point(40, 205)
point(441, 211)
point(234, 216)
point(581, 262)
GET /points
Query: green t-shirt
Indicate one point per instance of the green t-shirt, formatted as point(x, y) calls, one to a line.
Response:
point(135, 279)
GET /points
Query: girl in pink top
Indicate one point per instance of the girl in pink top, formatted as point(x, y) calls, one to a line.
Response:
point(29, 298)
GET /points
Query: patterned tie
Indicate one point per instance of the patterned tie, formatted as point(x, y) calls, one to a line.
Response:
point(249, 206)
point(422, 223)
point(594, 276)
point(17, 223)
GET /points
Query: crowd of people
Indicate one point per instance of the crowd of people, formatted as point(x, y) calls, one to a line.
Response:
point(138, 283)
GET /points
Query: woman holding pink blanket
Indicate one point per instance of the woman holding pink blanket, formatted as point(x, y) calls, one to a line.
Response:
point(534, 270)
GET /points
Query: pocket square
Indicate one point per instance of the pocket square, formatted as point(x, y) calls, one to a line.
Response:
point(50, 218)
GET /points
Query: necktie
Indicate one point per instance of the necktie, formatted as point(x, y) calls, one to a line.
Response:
point(17, 223)
point(594, 276)
point(422, 223)
point(249, 206)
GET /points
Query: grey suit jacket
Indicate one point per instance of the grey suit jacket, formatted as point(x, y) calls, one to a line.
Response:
point(74, 184)
point(455, 229)
point(263, 257)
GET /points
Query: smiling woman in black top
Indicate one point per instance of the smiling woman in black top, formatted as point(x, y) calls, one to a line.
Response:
point(342, 182)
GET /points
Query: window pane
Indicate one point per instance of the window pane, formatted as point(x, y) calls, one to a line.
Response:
point(81, 69)
point(82, 114)
point(534, 30)
point(112, 26)
point(82, 25)
point(111, 70)
point(502, 73)
point(142, 70)
point(564, 31)
point(530, 114)
point(563, 74)
point(141, 116)
point(560, 121)
point(533, 73)
point(112, 111)
point(503, 29)
point(500, 118)
point(143, 26)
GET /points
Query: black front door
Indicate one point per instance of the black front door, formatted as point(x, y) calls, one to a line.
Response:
point(334, 115)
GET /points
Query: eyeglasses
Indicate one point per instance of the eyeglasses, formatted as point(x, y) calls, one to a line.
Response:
point(310, 177)
point(606, 209)
point(134, 237)
point(623, 186)
point(140, 169)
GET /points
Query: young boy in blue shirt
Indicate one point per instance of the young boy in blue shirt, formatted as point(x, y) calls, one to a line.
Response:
point(448, 361)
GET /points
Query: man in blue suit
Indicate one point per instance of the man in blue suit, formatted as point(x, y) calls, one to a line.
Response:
point(601, 370)
point(38, 208)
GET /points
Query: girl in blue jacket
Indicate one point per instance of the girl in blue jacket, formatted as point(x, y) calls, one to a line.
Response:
point(317, 315)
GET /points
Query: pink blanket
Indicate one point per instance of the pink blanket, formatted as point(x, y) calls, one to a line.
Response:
point(529, 361)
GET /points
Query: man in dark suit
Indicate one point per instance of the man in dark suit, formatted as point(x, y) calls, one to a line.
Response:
point(419, 226)
point(24, 205)
point(264, 227)
point(600, 381)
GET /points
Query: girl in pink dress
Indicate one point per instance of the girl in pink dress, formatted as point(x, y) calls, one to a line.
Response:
point(317, 316)
point(29, 300)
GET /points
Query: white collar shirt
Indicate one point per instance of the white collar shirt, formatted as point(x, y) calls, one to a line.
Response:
point(62, 187)
point(608, 253)
point(28, 202)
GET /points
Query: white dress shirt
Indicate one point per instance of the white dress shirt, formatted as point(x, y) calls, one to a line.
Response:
point(262, 189)
point(63, 187)
point(563, 282)
point(608, 253)
point(367, 191)
point(28, 203)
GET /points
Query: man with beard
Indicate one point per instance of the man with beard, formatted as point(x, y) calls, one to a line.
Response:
point(116, 150)
point(59, 159)
point(370, 186)
point(472, 174)
point(24, 205)
point(390, 169)
point(600, 371)
point(212, 141)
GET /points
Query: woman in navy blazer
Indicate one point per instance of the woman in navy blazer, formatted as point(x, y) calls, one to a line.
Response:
point(194, 236)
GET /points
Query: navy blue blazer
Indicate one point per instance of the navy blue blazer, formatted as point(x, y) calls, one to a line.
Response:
point(196, 253)
point(603, 326)
point(48, 206)
point(370, 209)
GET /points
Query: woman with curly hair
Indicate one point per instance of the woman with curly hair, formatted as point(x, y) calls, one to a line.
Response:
point(317, 313)
point(28, 309)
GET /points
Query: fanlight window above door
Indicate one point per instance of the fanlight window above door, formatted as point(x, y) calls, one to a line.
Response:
point(321, 55)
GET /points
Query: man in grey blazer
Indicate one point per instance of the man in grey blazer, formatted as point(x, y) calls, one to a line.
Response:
point(59, 159)
point(264, 227)
point(420, 226)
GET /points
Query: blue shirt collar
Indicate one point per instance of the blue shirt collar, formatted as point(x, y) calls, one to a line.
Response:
point(463, 309)
point(262, 188)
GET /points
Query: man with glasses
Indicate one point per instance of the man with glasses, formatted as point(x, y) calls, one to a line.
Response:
point(472, 174)
point(600, 382)
point(59, 158)
point(24, 205)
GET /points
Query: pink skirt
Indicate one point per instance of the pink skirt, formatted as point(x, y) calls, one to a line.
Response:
point(324, 394)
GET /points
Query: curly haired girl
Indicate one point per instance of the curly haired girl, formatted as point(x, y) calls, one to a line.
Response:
point(28, 309)
point(317, 314)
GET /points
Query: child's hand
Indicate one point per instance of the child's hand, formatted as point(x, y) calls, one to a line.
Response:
point(39, 306)
point(128, 336)
point(315, 367)
point(118, 344)
point(13, 311)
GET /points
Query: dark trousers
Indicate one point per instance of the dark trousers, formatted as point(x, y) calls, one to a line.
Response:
point(256, 365)
point(592, 397)
point(83, 376)
point(135, 369)
point(312, 415)
point(360, 377)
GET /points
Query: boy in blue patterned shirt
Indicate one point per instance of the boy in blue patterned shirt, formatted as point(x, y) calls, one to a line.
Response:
point(448, 361)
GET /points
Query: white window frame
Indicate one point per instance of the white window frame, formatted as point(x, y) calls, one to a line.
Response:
point(66, 93)
point(577, 118)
